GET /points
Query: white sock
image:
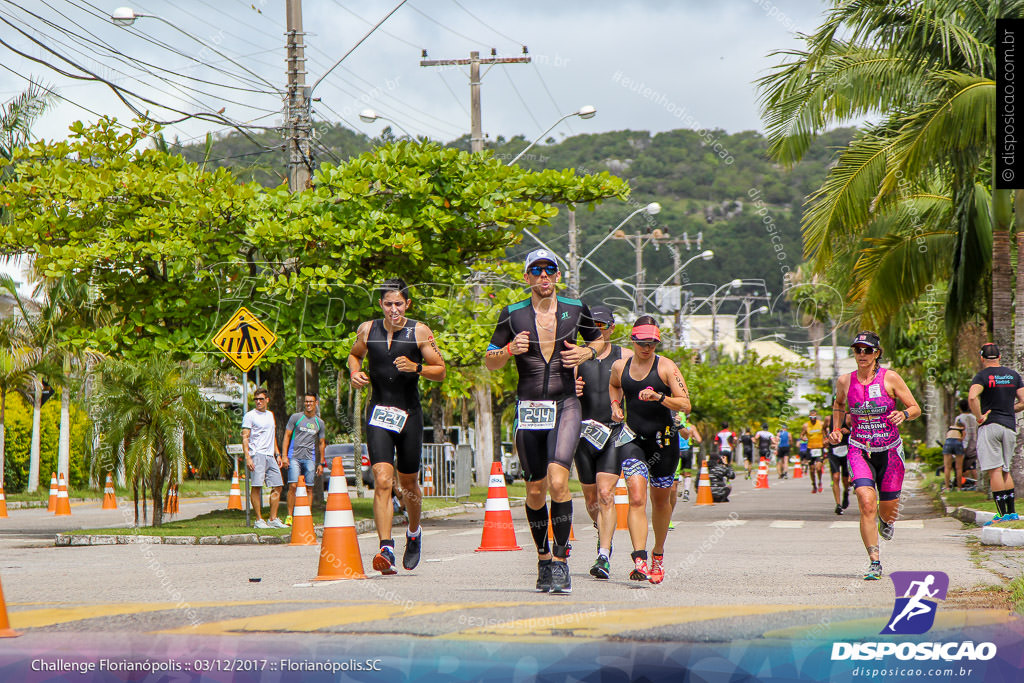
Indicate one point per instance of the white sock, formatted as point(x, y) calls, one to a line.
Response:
point(604, 552)
point(686, 483)
point(414, 535)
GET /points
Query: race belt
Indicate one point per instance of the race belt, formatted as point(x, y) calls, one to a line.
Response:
point(625, 436)
point(388, 417)
point(535, 415)
point(839, 451)
point(595, 432)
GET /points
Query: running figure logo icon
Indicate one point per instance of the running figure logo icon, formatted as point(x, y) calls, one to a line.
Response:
point(914, 612)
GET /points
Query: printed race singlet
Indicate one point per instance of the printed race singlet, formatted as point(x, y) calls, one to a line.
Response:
point(815, 438)
point(869, 405)
point(723, 440)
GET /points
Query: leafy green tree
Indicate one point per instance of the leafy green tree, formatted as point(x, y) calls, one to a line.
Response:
point(151, 414)
point(16, 362)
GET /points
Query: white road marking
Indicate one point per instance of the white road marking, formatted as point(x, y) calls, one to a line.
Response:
point(787, 524)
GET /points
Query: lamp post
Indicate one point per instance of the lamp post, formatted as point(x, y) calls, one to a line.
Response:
point(715, 303)
point(637, 240)
point(370, 116)
point(745, 321)
point(584, 112)
point(707, 255)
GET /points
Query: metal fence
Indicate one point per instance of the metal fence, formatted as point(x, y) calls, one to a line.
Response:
point(446, 470)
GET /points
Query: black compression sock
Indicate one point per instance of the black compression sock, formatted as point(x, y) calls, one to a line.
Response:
point(561, 521)
point(997, 496)
point(1010, 502)
point(538, 520)
point(642, 554)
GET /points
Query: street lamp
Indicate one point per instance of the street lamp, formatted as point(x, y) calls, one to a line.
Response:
point(370, 116)
point(745, 321)
point(705, 255)
point(126, 16)
point(652, 209)
point(714, 312)
point(584, 112)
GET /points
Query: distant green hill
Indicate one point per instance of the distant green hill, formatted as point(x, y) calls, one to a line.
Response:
point(706, 185)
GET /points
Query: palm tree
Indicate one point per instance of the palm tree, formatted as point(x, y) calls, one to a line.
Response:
point(16, 362)
point(150, 413)
point(18, 114)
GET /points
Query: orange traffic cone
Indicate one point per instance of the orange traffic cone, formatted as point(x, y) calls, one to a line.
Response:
point(762, 475)
point(168, 505)
point(302, 516)
point(174, 501)
point(52, 505)
point(339, 552)
point(63, 507)
point(621, 504)
point(5, 626)
point(499, 533)
point(109, 500)
point(704, 486)
point(551, 530)
point(235, 496)
point(3, 503)
point(428, 481)
point(798, 471)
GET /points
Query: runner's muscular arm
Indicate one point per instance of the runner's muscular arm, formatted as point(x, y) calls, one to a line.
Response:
point(974, 402)
point(902, 392)
point(839, 408)
point(669, 373)
point(356, 354)
point(433, 364)
point(615, 393)
point(285, 441)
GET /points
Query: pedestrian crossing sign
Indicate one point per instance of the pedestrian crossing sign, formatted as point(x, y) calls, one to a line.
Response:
point(244, 339)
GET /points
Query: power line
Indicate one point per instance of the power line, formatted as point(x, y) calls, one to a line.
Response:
point(516, 91)
point(485, 24)
point(366, 21)
point(446, 28)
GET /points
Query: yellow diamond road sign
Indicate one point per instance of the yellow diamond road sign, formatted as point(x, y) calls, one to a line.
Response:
point(244, 339)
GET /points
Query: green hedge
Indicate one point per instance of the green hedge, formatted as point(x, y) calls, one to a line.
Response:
point(18, 442)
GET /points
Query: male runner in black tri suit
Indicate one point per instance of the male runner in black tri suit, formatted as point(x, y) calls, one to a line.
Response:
point(598, 467)
point(651, 387)
point(400, 351)
point(540, 333)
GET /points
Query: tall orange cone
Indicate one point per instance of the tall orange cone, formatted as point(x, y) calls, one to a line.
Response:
point(302, 516)
point(63, 507)
point(621, 504)
point(798, 471)
point(52, 505)
point(5, 626)
point(762, 475)
point(3, 503)
point(174, 501)
point(109, 500)
point(339, 552)
point(235, 496)
point(551, 530)
point(428, 481)
point(499, 533)
point(704, 486)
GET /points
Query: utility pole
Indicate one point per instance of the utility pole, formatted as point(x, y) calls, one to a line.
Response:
point(476, 134)
point(637, 240)
point(297, 119)
point(574, 257)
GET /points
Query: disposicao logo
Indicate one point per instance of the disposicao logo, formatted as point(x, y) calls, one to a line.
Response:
point(914, 612)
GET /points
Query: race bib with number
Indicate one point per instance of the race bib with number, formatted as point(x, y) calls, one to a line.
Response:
point(596, 433)
point(388, 417)
point(536, 415)
point(839, 451)
point(815, 452)
point(625, 436)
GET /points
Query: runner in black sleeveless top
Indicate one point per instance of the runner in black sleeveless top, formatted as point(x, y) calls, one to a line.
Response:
point(598, 468)
point(399, 351)
point(541, 334)
point(653, 453)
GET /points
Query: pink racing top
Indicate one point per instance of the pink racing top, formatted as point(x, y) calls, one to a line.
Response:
point(869, 405)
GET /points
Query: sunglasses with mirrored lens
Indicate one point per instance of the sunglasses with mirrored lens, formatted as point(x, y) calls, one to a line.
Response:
point(646, 344)
point(600, 325)
point(863, 350)
point(537, 270)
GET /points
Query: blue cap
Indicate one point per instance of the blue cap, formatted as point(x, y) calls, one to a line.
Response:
point(539, 255)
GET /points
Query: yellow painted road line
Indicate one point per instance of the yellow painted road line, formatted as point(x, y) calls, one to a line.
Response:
point(599, 624)
point(62, 615)
point(308, 620)
point(858, 628)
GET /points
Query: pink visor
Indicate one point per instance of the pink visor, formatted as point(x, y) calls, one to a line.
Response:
point(645, 333)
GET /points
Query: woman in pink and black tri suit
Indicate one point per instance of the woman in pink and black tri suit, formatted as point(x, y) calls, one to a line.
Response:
point(876, 452)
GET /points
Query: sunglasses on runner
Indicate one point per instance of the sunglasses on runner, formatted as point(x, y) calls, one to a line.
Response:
point(645, 344)
point(537, 270)
point(863, 350)
point(600, 325)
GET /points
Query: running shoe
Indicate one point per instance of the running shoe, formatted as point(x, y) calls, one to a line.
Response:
point(886, 530)
point(384, 561)
point(277, 524)
point(602, 568)
point(671, 525)
point(748, 474)
point(288, 520)
point(544, 576)
point(657, 568)
point(997, 518)
point(839, 509)
point(560, 581)
point(1012, 517)
point(846, 498)
point(639, 572)
point(260, 524)
point(874, 572)
point(411, 558)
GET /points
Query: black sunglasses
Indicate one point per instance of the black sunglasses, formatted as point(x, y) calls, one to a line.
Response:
point(537, 270)
point(600, 325)
point(863, 350)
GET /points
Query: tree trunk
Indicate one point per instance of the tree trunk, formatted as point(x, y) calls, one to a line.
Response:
point(816, 341)
point(273, 375)
point(156, 485)
point(339, 406)
point(835, 354)
point(307, 379)
point(934, 421)
point(437, 412)
point(483, 454)
point(1002, 272)
point(33, 462)
point(64, 439)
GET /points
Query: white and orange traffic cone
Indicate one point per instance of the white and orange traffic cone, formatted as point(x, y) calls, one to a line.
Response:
point(63, 507)
point(762, 475)
point(498, 534)
point(109, 499)
point(704, 486)
point(428, 481)
point(3, 503)
point(798, 470)
point(5, 625)
point(339, 551)
point(235, 496)
point(621, 504)
point(302, 516)
point(52, 505)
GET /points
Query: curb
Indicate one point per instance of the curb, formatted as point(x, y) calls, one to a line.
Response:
point(362, 526)
point(990, 535)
